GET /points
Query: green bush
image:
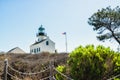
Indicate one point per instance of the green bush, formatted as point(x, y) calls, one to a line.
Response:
point(90, 63)
point(61, 69)
point(117, 79)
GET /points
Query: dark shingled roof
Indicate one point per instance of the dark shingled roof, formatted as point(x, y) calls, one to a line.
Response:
point(39, 42)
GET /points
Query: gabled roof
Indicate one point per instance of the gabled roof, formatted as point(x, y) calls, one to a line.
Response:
point(16, 50)
point(38, 42)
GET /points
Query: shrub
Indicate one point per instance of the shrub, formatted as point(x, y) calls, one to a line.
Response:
point(90, 63)
point(61, 69)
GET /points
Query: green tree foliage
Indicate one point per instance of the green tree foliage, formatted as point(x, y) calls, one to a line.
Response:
point(90, 63)
point(107, 22)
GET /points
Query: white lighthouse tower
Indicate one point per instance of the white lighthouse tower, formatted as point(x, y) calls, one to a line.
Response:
point(43, 43)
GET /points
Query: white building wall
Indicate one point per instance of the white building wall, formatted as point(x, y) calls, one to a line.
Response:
point(50, 47)
point(41, 38)
point(43, 47)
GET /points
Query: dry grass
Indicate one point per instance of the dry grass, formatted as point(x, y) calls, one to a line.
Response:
point(31, 63)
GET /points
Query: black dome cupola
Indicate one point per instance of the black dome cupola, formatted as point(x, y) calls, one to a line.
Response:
point(41, 31)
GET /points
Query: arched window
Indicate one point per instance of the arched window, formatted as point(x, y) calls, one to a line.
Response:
point(47, 43)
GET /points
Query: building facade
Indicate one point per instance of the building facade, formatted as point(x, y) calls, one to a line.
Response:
point(16, 50)
point(43, 43)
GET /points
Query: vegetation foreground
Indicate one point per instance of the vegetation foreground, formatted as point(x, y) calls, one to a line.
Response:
point(92, 63)
point(84, 63)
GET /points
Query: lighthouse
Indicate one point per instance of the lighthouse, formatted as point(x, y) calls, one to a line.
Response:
point(43, 43)
point(41, 33)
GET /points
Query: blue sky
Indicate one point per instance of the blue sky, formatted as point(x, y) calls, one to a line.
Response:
point(20, 19)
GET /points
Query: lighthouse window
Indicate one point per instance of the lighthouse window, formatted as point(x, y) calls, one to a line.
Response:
point(34, 50)
point(47, 43)
point(31, 50)
point(39, 49)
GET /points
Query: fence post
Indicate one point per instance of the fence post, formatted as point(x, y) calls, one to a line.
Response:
point(51, 70)
point(5, 69)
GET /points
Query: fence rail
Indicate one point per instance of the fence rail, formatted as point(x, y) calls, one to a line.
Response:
point(51, 70)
